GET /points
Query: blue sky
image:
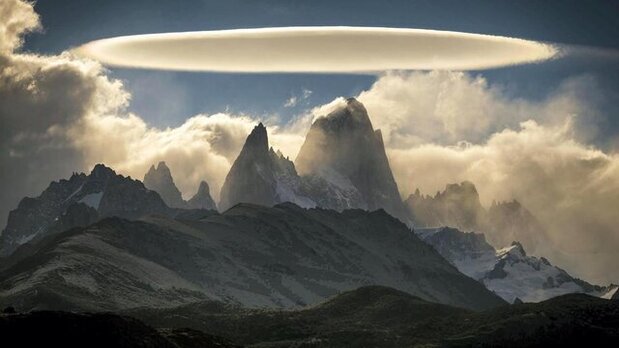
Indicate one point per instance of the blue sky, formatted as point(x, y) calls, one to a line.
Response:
point(167, 98)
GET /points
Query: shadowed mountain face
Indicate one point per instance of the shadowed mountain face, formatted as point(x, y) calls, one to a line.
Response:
point(383, 317)
point(283, 256)
point(160, 180)
point(259, 175)
point(344, 149)
point(457, 206)
point(342, 165)
point(509, 272)
point(101, 193)
point(202, 199)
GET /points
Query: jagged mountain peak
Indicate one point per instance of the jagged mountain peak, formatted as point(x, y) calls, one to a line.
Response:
point(349, 117)
point(343, 149)
point(103, 191)
point(466, 188)
point(258, 138)
point(261, 175)
point(101, 171)
point(159, 179)
point(202, 199)
point(203, 187)
point(516, 247)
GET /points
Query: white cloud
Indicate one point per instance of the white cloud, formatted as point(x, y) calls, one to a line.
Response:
point(316, 49)
point(444, 127)
point(447, 107)
point(295, 100)
point(572, 188)
point(18, 18)
point(291, 102)
point(46, 132)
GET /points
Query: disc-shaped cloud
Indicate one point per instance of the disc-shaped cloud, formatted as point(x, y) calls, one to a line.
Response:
point(315, 49)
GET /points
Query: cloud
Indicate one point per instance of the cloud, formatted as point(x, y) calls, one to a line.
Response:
point(571, 187)
point(18, 19)
point(445, 127)
point(295, 100)
point(291, 102)
point(447, 107)
point(35, 113)
point(60, 114)
point(315, 49)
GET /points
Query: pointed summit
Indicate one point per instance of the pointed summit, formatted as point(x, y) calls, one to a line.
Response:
point(344, 149)
point(160, 180)
point(101, 171)
point(250, 179)
point(258, 139)
point(261, 176)
point(202, 199)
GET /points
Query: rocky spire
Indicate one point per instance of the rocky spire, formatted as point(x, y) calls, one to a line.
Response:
point(260, 175)
point(251, 178)
point(202, 199)
point(344, 148)
point(160, 180)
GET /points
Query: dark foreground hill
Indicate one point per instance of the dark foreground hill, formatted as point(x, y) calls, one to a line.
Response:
point(94, 330)
point(371, 316)
point(383, 317)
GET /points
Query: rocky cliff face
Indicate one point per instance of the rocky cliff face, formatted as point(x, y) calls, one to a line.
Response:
point(459, 206)
point(202, 199)
point(262, 176)
point(159, 179)
point(77, 202)
point(344, 151)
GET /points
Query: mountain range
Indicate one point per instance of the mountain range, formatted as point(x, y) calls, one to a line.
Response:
point(284, 235)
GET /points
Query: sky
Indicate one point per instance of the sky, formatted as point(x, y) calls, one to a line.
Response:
point(544, 133)
point(69, 23)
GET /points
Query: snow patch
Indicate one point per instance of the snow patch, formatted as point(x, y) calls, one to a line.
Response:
point(92, 199)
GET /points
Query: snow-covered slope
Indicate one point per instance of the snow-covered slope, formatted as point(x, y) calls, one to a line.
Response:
point(284, 256)
point(509, 272)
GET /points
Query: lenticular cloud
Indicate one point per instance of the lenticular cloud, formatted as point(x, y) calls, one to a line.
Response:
point(316, 49)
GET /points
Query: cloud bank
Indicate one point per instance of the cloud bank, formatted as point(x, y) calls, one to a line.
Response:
point(445, 127)
point(48, 131)
point(315, 49)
